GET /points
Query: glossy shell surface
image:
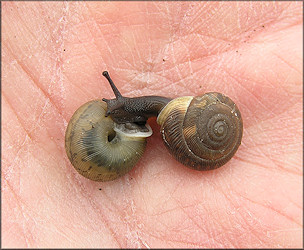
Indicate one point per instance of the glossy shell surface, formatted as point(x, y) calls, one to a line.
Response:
point(93, 147)
point(202, 132)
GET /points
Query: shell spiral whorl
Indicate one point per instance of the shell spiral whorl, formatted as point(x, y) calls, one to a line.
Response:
point(95, 149)
point(202, 132)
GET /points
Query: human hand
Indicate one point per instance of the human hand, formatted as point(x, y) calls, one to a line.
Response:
point(53, 54)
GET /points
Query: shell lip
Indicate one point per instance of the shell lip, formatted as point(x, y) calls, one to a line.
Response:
point(136, 130)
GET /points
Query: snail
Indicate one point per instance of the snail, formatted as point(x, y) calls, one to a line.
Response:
point(106, 138)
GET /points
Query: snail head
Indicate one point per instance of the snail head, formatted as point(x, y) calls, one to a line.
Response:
point(124, 109)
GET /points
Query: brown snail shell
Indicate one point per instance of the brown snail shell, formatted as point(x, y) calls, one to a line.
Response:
point(201, 132)
point(97, 148)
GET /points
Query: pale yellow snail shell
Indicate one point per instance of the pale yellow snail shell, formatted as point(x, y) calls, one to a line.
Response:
point(96, 148)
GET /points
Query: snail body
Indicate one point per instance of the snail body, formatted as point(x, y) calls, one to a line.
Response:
point(105, 139)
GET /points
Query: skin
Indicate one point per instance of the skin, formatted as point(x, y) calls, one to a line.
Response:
point(53, 55)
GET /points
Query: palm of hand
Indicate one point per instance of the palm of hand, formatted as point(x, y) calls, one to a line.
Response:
point(56, 53)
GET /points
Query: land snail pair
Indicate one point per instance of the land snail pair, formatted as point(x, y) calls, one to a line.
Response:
point(106, 138)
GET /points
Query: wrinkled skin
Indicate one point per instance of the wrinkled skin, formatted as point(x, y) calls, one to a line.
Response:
point(53, 55)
